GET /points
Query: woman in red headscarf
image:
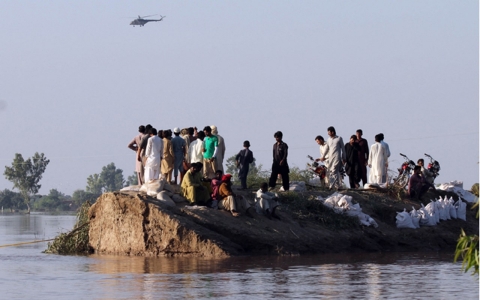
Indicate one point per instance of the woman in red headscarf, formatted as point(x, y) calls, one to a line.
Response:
point(229, 200)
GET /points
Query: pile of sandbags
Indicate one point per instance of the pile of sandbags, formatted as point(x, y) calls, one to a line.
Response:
point(432, 213)
point(343, 204)
point(160, 189)
point(457, 188)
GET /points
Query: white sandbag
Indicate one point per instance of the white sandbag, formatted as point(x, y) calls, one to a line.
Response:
point(441, 209)
point(432, 211)
point(178, 199)
point(297, 186)
point(461, 210)
point(155, 186)
point(345, 202)
point(404, 220)
point(427, 216)
point(131, 188)
point(457, 188)
point(415, 217)
point(163, 197)
point(453, 209)
point(446, 207)
point(143, 188)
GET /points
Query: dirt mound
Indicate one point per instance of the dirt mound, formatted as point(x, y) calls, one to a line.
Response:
point(129, 223)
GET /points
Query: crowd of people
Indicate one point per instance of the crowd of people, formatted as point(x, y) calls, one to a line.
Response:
point(195, 160)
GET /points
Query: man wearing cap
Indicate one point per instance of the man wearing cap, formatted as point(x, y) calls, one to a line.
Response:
point(210, 149)
point(221, 149)
point(178, 145)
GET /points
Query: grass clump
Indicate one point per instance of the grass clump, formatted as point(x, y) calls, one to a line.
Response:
point(75, 241)
point(306, 207)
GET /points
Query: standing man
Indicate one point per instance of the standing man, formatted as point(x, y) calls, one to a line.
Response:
point(362, 156)
point(195, 150)
point(210, 150)
point(323, 153)
point(337, 157)
point(352, 167)
point(141, 149)
point(377, 161)
point(153, 154)
point(387, 149)
point(221, 149)
point(178, 145)
point(280, 164)
point(168, 157)
point(134, 145)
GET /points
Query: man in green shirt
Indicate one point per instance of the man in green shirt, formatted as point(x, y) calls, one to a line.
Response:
point(210, 145)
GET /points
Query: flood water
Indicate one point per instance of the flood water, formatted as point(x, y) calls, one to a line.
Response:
point(27, 273)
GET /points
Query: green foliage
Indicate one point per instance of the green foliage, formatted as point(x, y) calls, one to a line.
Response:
point(474, 189)
point(26, 174)
point(55, 200)
point(306, 207)
point(80, 196)
point(467, 248)
point(94, 184)
point(255, 173)
point(11, 200)
point(132, 180)
point(110, 179)
point(76, 241)
point(300, 175)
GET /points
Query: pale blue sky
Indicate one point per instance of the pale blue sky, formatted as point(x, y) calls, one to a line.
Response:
point(77, 80)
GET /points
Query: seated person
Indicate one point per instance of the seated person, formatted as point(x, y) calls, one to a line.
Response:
point(215, 185)
point(417, 185)
point(192, 187)
point(266, 202)
point(229, 201)
point(425, 172)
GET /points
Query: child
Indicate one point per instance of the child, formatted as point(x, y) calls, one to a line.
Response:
point(244, 158)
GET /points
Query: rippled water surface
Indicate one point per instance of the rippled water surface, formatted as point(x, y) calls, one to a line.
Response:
point(26, 273)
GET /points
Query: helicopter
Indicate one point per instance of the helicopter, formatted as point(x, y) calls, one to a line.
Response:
point(141, 21)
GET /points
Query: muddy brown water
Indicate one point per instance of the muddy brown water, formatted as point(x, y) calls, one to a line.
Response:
point(25, 272)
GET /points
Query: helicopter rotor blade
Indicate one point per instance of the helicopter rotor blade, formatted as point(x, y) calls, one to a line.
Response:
point(148, 16)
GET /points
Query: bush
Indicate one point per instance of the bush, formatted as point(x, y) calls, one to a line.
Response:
point(474, 189)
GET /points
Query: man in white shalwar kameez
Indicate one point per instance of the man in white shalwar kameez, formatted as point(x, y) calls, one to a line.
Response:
point(377, 161)
point(323, 153)
point(153, 153)
point(387, 149)
point(266, 202)
point(336, 156)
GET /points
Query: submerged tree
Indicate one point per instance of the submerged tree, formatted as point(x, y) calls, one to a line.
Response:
point(26, 174)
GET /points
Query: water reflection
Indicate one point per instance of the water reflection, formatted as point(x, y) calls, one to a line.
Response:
point(25, 272)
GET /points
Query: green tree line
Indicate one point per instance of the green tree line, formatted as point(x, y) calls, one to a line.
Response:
point(25, 174)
